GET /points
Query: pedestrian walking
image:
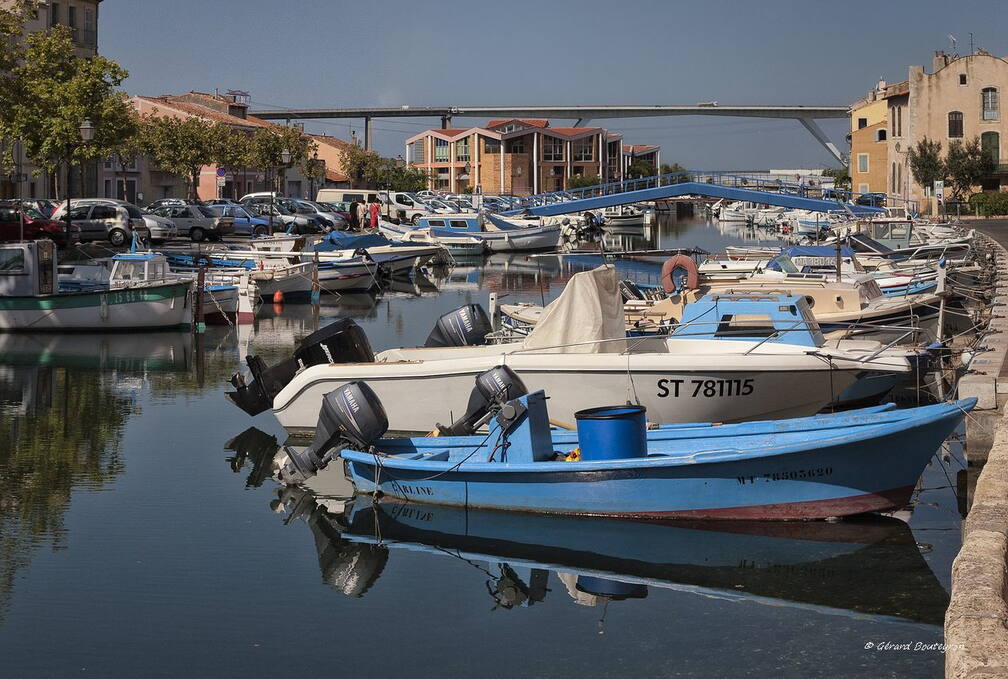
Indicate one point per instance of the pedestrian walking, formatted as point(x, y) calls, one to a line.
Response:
point(375, 209)
point(361, 215)
point(354, 217)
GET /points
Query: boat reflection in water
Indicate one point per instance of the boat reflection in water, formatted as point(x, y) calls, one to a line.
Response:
point(866, 568)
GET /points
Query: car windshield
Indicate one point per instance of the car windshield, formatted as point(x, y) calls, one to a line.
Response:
point(133, 211)
point(32, 213)
point(216, 210)
point(206, 211)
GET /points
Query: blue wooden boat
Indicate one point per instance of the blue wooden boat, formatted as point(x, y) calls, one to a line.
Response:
point(804, 468)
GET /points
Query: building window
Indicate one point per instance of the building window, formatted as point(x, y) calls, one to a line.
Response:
point(583, 150)
point(892, 179)
point(54, 14)
point(553, 150)
point(442, 179)
point(516, 146)
point(862, 123)
point(862, 188)
point(416, 152)
point(72, 16)
point(90, 30)
point(989, 100)
point(862, 162)
point(955, 124)
point(492, 146)
point(962, 78)
point(462, 150)
point(880, 135)
point(899, 121)
point(990, 143)
point(440, 151)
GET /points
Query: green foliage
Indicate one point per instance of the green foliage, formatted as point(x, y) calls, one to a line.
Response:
point(581, 181)
point(367, 167)
point(676, 167)
point(266, 146)
point(50, 91)
point(965, 165)
point(990, 204)
point(639, 169)
point(182, 146)
point(926, 164)
point(841, 177)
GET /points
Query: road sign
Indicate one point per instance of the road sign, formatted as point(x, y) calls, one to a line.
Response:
point(939, 190)
point(221, 172)
point(221, 180)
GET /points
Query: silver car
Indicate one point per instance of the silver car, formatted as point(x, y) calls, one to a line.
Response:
point(105, 219)
point(160, 228)
point(198, 221)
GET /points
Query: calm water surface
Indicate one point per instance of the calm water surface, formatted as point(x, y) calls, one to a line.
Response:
point(139, 537)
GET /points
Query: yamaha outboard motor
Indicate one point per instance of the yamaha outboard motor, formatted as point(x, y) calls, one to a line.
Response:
point(493, 388)
point(467, 326)
point(351, 416)
point(341, 342)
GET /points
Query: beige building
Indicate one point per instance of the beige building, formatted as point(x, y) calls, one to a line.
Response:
point(519, 156)
point(959, 99)
point(82, 18)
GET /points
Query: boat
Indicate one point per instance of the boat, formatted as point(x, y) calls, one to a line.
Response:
point(455, 245)
point(499, 234)
point(597, 561)
point(580, 354)
point(615, 465)
point(624, 216)
point(31, 300)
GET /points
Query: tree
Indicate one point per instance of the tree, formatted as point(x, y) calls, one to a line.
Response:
point(640, 168)
point(926, 164)
point(841, 177)
point(182, 146)
point(580, 181)
point(676, 168)
point(369, 168)
point(266, 147)
point(966, 165)
point(51, 91)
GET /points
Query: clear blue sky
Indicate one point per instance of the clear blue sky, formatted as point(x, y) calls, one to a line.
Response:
point(317, 53)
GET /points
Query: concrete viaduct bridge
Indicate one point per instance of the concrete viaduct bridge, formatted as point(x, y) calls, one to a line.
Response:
point(806, 115)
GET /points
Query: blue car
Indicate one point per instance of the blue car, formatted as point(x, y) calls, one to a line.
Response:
point(245, 223)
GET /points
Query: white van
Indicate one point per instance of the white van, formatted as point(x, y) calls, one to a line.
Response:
point(396, 204)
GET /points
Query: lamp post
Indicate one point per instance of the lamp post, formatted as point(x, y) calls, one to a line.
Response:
point(87, 131)
point(285, 157)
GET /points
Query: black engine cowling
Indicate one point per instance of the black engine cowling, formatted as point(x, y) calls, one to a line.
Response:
point(340, 342)
point(352, 415)
point(493, 387)
point(466, 326)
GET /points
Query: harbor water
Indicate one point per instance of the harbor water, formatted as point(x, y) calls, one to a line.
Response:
point(141, 535)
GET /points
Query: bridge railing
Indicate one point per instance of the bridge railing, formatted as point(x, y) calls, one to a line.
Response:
point(752, 182)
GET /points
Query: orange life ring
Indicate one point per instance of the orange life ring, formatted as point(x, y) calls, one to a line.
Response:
point(680, 262)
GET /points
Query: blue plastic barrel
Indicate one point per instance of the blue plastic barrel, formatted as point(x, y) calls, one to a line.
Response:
point(612, 432)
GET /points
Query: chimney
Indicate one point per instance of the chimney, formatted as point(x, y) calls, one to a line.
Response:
point(941, 60)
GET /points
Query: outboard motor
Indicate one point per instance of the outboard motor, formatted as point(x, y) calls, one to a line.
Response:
point(341, 342)
point(352, 415)
point(493, 388)
point(467, 326)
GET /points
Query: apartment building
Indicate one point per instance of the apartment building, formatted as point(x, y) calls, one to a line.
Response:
point(517, 156)
point(82, 18)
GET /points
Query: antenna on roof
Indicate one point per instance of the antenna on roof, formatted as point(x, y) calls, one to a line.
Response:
point(953, 41)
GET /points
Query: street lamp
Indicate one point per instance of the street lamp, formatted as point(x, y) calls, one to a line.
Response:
point(87, 132)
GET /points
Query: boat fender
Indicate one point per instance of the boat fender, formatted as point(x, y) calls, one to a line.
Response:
point(680, 273)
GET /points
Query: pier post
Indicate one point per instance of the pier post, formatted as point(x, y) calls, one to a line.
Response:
point(200, 325)
point(316, 290)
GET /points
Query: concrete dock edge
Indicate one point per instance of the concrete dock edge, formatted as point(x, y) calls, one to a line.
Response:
point(976, 622)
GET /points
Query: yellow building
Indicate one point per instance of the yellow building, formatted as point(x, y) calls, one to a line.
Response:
point(957, 101)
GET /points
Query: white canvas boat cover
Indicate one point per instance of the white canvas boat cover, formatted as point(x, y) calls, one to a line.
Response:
point(589, 309)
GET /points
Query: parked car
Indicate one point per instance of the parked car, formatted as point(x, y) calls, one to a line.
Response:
point(36, 225)
point(246, 223)
point(219, 201)
point(161, 228)
point(328, 218)
point(199, 221)
point(172, 201)
point(45, 206)
point(105, 219)
point(281, 217)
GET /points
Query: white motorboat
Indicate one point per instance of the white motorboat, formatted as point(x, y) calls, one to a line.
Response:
point(579, 352)
point(30, 298)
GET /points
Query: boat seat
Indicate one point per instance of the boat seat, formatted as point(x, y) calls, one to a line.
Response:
point(439, 456)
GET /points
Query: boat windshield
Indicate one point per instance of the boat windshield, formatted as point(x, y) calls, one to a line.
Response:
point(784, 263)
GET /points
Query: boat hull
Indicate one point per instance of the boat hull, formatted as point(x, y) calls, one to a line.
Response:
point(142, 307)
point(760, 389)
point(873, 469)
